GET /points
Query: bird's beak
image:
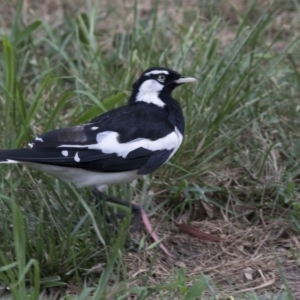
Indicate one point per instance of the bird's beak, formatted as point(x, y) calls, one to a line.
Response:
point(185, 80)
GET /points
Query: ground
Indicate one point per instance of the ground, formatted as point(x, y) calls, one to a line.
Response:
point(259, 248)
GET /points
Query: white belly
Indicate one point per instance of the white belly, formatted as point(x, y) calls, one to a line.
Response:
point(83, 178)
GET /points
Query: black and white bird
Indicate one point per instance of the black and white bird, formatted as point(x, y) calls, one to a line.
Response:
point(117, 146)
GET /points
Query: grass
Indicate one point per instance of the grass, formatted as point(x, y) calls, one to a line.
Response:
point(239, 156)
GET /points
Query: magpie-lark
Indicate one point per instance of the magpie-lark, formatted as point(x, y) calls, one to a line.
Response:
point(117, 146)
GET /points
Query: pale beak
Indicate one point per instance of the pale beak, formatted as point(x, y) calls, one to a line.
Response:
point(186, 80)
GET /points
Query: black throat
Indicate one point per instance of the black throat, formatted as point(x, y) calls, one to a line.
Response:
point(172, 107)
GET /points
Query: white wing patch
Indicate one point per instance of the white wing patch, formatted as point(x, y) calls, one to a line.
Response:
point(108, 143)
point(155, 72)
point(65, 152)
point(9, 161)
point(76, 157)
point(148, 92)
point(39, 139)
point(94, 128)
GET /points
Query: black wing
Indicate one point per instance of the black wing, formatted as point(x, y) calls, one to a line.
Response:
point(73, 146)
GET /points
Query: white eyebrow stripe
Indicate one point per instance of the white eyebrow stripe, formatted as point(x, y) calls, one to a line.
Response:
point(155, 72)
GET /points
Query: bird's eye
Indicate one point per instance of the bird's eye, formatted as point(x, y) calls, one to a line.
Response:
point(161, 78)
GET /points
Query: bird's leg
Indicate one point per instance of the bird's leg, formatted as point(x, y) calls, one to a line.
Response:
point(139, 217)
point(130, 244)
point(135, 208)
point(97, 198)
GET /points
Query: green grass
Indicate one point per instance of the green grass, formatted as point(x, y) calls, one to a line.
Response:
point(241, 119)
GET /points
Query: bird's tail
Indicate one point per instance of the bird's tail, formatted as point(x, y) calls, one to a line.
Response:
point(13, 156)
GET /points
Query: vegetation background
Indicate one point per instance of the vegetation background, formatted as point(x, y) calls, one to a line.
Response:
point(236, 175)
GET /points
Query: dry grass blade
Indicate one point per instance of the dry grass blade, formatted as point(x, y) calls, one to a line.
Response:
point(236, 176)
point(197, 233)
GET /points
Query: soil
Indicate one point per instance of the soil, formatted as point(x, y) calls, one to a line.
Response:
point(250, 257)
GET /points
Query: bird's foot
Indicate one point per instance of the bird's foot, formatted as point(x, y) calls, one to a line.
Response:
point(136, 210)
point(139, 217)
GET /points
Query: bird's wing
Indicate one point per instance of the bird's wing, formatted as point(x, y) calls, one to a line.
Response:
point(129, 138)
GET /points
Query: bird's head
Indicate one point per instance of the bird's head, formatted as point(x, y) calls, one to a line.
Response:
point(155, 82)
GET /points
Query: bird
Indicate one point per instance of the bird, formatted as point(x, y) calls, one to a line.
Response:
point(119, 145)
